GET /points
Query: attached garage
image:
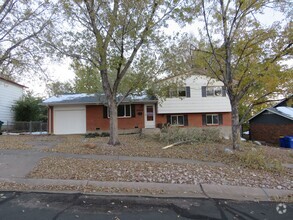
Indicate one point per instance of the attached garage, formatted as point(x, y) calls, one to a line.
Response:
point(69, 120)
point(82, 113)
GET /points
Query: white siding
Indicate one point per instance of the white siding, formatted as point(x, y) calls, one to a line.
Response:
point(196, 103)
point(9, 94)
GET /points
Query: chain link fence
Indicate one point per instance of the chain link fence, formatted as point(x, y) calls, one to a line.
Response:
point(25, 126)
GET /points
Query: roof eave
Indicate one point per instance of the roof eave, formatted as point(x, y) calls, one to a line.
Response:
point(96, 103)
point(277, 113)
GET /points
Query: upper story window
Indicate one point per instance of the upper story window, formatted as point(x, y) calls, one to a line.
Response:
point(213, 91)
point(180, 92)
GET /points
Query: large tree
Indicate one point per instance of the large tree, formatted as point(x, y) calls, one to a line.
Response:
point(112, 37)
point(237, 49)
point(86, 78)
point(21, 22)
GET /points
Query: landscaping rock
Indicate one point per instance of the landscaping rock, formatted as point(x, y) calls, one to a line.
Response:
point(228, 151)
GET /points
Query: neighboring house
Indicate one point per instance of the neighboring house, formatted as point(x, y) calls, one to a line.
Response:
point(272, 123)
point(202, 102)
point(10, 92)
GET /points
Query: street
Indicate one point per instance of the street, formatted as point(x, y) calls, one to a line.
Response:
point(59, 206)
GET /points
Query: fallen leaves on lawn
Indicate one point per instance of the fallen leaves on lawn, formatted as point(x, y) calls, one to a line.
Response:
point(134, 145)
point(18, 142)
point(135, 171)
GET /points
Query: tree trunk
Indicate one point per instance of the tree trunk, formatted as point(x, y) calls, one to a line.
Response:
point(235, 126)
point(113, 140)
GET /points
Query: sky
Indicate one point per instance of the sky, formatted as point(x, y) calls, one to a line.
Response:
point(61, 71)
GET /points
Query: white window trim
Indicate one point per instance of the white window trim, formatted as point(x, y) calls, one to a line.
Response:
point(212, 119)
point(214, 87)
point(176, 120)
point(108, 111)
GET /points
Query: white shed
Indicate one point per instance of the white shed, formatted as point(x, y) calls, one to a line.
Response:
point(10, 92)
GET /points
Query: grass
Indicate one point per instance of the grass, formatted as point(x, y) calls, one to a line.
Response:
point(157, 172)
point(249, 156)
point(15, 142)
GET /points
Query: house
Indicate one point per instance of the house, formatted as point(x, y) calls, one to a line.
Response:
point(272, 123)
point(10, 92)
point(201, 102)
point(81, 113)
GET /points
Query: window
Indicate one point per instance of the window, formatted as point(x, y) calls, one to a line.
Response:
point(177, 120)
point(213, 91)
point(212, 119)
point(180, 92)
point(122, 111)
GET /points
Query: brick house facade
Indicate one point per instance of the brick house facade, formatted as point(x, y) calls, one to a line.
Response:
point(198, 104)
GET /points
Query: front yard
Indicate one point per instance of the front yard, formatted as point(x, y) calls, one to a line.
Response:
point(158, 172)
point(146, 146)
point(252, 165)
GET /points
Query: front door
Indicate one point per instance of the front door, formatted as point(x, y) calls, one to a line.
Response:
point(149, 116)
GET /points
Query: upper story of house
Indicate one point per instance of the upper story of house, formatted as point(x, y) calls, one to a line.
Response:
point(200, 94)
point(10, 92)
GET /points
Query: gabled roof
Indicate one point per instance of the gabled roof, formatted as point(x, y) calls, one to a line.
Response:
point(283, 111)
point(12, 82)
point(83, 98)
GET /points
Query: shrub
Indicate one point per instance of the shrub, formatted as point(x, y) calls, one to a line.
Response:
point(91, 135)
point(105, 134)
point(256, 159)
point(172, 134)
point(29, 109)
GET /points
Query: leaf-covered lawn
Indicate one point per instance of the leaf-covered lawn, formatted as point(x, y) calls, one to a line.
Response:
point(15, 142)
point(27, 142)
point(136, 171)
point(134, 145)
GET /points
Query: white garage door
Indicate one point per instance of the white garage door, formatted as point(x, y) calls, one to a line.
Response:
point(69, 120)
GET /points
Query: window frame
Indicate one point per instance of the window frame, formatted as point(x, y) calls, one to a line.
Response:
point(173, 93)
point(214, 91)
point(124, 109)
point(177, 116)
point(212, 117)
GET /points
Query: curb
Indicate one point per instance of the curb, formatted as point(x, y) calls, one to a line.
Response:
point(210, 191)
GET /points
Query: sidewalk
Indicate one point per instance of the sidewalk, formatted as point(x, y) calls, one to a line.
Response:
point(16, 164)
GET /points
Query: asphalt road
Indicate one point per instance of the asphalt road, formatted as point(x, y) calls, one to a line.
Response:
point(52, 206)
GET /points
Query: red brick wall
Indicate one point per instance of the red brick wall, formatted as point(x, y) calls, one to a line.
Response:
point(95, 119)
point(195, 119)
point(270, 133)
